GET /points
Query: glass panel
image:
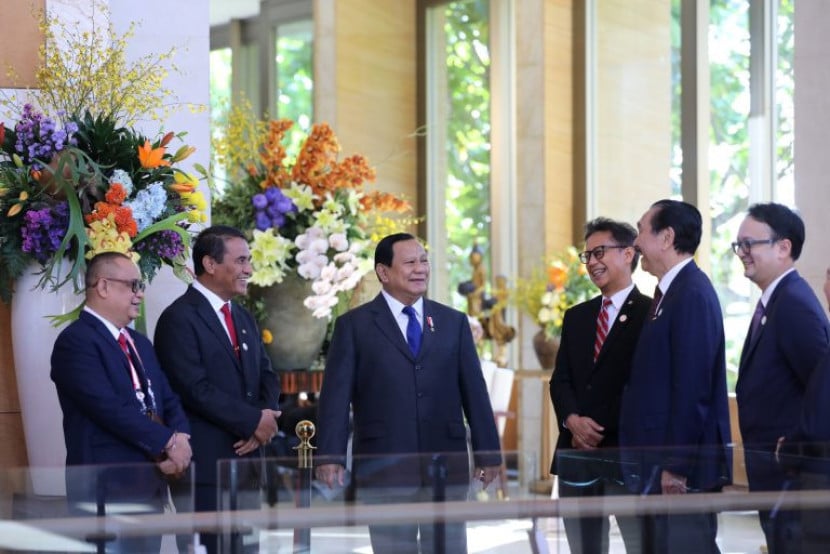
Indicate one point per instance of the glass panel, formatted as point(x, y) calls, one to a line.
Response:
point(461, 89)
point(220, 98)
point(295, 77)
point(729, 165)
point(784, 104)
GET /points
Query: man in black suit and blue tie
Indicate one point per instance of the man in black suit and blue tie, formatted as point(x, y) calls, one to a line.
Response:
point(786, 340)
point(409, 369)
point(674, 420)
point(118, 408)
point(592, 366)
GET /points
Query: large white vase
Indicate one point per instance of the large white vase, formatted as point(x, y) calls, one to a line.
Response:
point(33, 337)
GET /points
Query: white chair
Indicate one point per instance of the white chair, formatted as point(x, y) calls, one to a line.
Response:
point(488, 369)
point(500, 392)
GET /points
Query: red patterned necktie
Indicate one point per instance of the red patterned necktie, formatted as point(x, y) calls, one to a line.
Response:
point(226, 310)
point(602, 327)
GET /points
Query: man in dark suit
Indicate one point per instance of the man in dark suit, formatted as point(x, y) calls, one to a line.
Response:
point(410, 379)
point(212, 352)
point(592, 366)
point(786, 340)
point(674, 421)
point(806, 451)
point(118, 408)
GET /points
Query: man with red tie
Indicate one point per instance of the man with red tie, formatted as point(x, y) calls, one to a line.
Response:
point(212, 351)
point(119, 412)
point(592, 366)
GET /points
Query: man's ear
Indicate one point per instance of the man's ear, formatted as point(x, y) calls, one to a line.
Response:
point(382, 273)
point(209, 264)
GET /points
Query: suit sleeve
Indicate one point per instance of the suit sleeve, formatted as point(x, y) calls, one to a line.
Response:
point(336, 393)
point(806, 344)
point(171, 406)
point(561, 384)
point(177, 341)
point(483, 433)
point(697, 365)
point(81, 373)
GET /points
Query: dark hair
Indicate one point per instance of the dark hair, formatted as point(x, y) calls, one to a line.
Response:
point(683, 218)
point(97, 263)
point(384, 251)
point(784, 222)
point(622, 233)
point(211, 242)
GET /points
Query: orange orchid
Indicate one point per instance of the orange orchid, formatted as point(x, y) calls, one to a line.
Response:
point(150, 157)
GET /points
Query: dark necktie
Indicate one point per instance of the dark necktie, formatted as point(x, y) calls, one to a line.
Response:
point(755, 326)
point(226, 310)
point(602, 327)
point(413, 330)
point(655, 302)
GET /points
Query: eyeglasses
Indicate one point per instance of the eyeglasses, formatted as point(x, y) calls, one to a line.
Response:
point(136, 285)
point(745, 246)
point(598, 253)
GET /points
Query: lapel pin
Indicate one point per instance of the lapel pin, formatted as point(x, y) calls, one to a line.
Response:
point(244, 332)
point(763, 320)
point(430, 325)
point(245, 346)
point(623, 318)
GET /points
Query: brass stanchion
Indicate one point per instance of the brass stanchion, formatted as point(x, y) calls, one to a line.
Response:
point(305, 430)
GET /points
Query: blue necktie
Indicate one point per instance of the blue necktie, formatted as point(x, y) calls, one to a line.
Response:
point(413, 330)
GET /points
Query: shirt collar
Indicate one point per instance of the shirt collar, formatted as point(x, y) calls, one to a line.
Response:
point(767, 294)
point(215, 301)
point(115, 331)
point(667, 279)
point(397, 307)
point(618, 298)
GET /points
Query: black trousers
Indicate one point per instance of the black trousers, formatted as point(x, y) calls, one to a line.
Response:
point(589, 535)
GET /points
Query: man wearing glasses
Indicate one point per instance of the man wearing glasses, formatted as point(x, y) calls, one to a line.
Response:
point(787, 337)
point(592, 367)
point(118, 409)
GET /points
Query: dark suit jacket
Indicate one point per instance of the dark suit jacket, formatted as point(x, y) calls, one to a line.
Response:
point(676, 394)
point(102, 419)
point(222, 394)
point(773, 375)
point(594, 389)
point(404, 404)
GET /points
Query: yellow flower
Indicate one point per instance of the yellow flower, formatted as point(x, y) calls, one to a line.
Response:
point(104, 237)
point(267, 337)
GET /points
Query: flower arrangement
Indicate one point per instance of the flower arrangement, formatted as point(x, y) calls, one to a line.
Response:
point(311, 215)
point(76, 179)
point(545, 296)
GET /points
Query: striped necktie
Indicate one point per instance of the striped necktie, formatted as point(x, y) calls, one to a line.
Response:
point(602, 327)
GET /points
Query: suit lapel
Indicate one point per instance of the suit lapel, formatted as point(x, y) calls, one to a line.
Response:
point(620, 324)
point(205, 312)
point(388, 325)
point(749, 345)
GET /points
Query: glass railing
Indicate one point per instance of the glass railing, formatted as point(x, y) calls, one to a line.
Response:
point(274, 505)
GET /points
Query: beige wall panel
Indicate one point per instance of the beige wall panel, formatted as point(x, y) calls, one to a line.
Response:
point(20, 39)
point(369, 48)
point(8, 382)
point(633, 109)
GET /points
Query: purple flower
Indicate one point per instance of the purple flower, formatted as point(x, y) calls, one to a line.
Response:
point(262, 221)
point(259, 201)
point(38, 137)
point(43, 230)
point(164, 244)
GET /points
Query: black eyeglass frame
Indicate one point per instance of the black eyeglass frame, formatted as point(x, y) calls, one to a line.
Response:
point(599, 252)
point(745, 246)
point(136, 285)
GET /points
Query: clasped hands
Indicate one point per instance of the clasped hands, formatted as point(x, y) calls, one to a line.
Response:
point(587, 433)
point(265, 431)
point(177, 455)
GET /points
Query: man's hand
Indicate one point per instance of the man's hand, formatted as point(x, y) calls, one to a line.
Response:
point(267, 428)
point(178, 453)
point(487, 474)
point(671, 483)
point(331, 474)
point(587, 433)
point(245, 446)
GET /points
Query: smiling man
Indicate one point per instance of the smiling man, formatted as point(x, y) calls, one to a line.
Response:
point(211, 350)
point(118, 409)
point(786, 339)
point(410, 371)
point(592, 367)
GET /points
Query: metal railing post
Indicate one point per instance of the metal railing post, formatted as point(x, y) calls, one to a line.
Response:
point(305, 462)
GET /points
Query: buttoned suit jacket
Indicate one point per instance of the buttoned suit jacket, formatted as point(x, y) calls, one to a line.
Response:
point(674, 413)
point(102, 419)
point(594, 389)
point(412, 406)
point(775, 369)
point(222, 394)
